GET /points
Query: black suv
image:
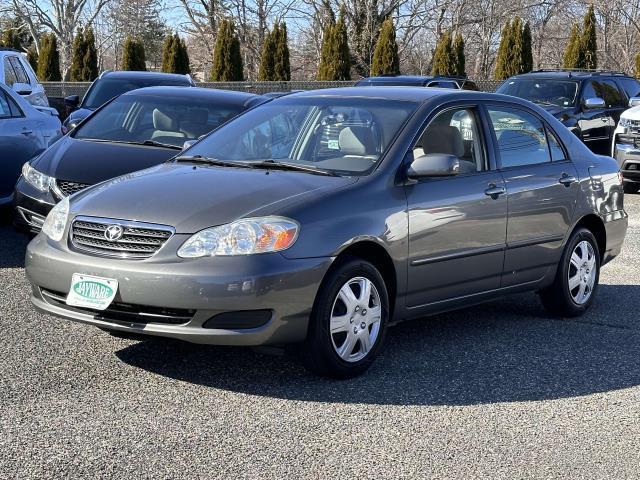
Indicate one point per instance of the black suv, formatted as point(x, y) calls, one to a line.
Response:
point(441, 81)
point(588, 102)
point(111, 84)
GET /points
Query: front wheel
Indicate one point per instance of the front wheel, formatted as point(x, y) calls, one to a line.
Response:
point(576, 281)
point(348, 322)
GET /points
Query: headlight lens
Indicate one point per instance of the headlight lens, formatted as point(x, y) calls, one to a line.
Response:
point(56, 221)
point(35, 178)
point(243, 237)
point(624, 122)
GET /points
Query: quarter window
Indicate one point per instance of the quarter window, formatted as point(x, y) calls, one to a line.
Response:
point(557, 153)
point(454, 132)
point(521, 138)
point(8, 108)
point(9, 74)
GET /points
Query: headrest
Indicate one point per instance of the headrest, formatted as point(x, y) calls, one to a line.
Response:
point(162, 121)
point(356, 141)
point(442, 139)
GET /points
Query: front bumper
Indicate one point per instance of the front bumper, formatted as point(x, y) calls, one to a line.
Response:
point(187, 293)
point(31, 207)
point(628, 158)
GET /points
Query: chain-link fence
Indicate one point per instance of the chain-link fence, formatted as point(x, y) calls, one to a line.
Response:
point(64, 89)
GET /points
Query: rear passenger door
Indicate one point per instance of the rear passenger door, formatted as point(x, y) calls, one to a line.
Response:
point(542, 189)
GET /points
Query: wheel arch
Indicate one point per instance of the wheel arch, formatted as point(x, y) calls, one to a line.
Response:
point(595, 225)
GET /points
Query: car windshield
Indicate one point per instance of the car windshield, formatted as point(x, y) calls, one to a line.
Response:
point(105, 89)
point(162, 119)
point(561, 93)
point(342, 136)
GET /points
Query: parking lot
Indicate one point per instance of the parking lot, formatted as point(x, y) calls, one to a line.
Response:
point(496, 390)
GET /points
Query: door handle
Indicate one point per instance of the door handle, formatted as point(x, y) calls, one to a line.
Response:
point(567, 180)
point(604, 119)
point(494, 191)
point(27, 132)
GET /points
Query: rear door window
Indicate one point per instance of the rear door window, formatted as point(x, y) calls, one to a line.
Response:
point(9, 74)
point(521, 137)
point(21, 75)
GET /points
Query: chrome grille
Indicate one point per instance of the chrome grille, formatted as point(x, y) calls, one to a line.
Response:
point(69, 188)
point(139, 240)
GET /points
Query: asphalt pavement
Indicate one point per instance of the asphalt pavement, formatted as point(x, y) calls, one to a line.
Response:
point(499, 390)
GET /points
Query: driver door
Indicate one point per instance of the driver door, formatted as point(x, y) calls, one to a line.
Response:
point(457, 224)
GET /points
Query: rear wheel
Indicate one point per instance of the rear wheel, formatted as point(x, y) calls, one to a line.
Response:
point(576, 282)
point(348, 322)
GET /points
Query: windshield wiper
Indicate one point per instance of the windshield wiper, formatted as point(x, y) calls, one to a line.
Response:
point(210, 161)
point(273, 164)
point(151, 143)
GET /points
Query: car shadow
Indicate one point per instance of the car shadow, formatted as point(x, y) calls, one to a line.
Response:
point(505, 351)
point(12, 246)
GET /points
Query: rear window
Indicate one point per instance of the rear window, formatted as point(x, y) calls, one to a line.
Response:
point(105, 89)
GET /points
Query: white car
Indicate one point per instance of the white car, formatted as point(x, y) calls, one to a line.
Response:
point(626, 146)
point(18, 74)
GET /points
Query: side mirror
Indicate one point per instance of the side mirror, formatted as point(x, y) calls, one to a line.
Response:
point(634, 101)
point(22, 88)
point(72, 101)
point(593, 103)
point(434, 165)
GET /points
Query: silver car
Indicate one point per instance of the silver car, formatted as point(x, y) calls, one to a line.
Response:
point(323, 217)
point(25, 132)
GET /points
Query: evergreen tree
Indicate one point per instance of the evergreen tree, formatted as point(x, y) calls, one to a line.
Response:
point(573, 54)
point(227, 60)
point(90, 59)
point(527, 49)
point(49, 59)
point(11, 39)
point(32, 58)
point(175, 57)
point(335, 59)
point(77, 57)
point(282, 64)
point(514, 55)
point(385, 56)
point(458, 56)
point(266, 71)
point(589, 40)
point(502, 71)
point(637, 66)
point(133, 58)
point(443, 57)
point(184, 63)
point(168, 55)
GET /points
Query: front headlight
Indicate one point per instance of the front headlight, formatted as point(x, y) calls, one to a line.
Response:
point(37, 179)
point(242, 237)
point(624, 122)
point(56, 221)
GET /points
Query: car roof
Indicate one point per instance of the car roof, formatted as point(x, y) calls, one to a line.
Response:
point(397, 93)
point(570, 74)
point(144, 75)
point(206, 94)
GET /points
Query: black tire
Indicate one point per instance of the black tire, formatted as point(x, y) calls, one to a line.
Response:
point(318, 352)
point(557, 298)
point(630, 187)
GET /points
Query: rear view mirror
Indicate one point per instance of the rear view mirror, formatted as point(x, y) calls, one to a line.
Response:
point(434, 165)
point(22, 88)
point(72, 101)
point(634, 101)
point(595, 102)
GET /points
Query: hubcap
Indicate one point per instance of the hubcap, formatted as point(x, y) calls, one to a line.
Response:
point(582, 272)
point(353, 336)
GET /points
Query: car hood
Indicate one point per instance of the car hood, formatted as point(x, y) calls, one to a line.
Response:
point(632, 113)
point(88, 162)
point(191, 198)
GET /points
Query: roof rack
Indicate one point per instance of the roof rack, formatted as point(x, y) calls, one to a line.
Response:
point(580, 70)
point(454, 77)
point(9, 49)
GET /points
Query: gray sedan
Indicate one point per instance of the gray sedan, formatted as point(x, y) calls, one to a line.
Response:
point(25, 132)
point(321, 218)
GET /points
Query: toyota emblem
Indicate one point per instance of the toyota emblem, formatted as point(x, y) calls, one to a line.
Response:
point(113, 233)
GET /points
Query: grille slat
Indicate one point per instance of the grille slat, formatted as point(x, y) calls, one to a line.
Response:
point(138, 240)
point(69, 188)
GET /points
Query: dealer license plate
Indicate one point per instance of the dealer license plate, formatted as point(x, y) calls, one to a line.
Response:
point(92, 292)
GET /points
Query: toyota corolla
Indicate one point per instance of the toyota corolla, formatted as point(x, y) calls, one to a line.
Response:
point(324, 217)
